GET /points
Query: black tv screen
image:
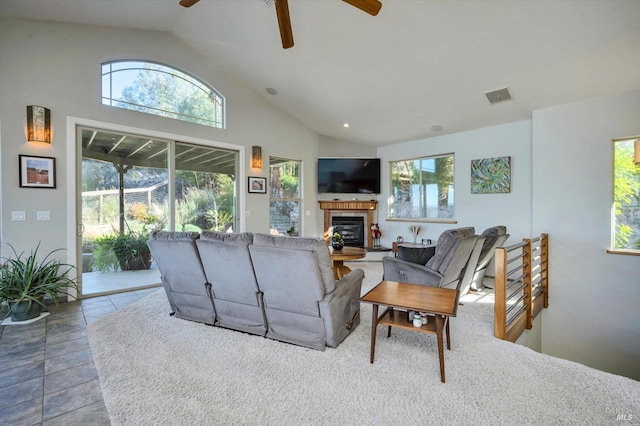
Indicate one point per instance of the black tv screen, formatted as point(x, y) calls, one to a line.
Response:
point(348, 175)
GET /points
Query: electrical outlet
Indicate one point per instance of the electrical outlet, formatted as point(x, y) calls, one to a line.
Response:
point(43, 215)
point(307, 213)
point(246, 214)
point(18, 216)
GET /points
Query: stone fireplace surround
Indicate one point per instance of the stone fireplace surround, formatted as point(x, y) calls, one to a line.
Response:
point(357, 208)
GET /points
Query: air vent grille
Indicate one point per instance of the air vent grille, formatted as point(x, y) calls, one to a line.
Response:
point(498, 95)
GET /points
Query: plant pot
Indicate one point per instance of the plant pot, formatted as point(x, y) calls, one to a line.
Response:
point(20, 311)
point(337, 245)
point(137, 263)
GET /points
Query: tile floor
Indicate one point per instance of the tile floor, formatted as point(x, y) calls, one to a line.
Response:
point(47, 373)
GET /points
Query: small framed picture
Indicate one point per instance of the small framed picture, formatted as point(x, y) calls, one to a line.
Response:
point(37, 172)
point(257, 185)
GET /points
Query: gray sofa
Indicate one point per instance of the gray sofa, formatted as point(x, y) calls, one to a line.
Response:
point(279, 287)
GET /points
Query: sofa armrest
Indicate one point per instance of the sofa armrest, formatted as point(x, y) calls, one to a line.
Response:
point(403, 271)
point(339, 309)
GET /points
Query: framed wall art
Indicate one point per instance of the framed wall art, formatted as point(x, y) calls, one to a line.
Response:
point(257, 185)
point(37, 172)
point(491, 175)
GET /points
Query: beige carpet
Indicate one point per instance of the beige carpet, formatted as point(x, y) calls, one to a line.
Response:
point(159, 370)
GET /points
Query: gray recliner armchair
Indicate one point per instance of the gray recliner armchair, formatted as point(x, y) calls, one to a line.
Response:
point(455, 251)
point(494, 237)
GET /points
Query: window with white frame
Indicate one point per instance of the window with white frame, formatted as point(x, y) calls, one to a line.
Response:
point(285, 199)
point(161, 90)
point(422, 188)
point(625, 215)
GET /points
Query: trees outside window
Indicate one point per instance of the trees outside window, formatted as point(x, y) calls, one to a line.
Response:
point(422, 188)
point(161, 90)
point(284, 196)
point(626, 197)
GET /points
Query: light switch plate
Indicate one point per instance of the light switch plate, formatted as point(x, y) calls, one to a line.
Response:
point(18, 216)
point(43, 215)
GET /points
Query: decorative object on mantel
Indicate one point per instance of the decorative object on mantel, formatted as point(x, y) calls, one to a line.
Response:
point(400, 239)
point(376, 234)
point(415, 231)
point(491, 175)
point(337, 242)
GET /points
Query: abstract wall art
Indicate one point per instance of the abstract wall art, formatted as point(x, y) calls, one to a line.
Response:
point(491, 175)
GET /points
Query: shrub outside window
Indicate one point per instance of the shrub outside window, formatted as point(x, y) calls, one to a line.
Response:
point(161, 90)
point(626, 197)
point(285, 200)
point(422, 188)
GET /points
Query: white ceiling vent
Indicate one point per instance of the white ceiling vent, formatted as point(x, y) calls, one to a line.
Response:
point(498, 95)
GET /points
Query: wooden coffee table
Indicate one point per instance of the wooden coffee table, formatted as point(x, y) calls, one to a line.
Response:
point(339, 256)
point(438, 303)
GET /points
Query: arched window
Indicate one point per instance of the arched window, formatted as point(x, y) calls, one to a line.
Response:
point(161, 90)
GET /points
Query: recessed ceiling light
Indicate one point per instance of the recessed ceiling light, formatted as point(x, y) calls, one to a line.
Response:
point(271, 91)
point(346, 124)
point(437, 128)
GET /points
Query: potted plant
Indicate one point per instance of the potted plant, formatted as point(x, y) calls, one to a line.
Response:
point(337, 242)
point(132, 251)
point(127, 251)
point(26, 281)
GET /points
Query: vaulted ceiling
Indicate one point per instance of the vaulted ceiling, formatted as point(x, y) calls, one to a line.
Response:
point(392, 77)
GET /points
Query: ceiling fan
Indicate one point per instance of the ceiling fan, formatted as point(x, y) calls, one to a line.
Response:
point(372, 7)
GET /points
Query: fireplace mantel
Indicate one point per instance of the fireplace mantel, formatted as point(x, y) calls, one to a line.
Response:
point(355, 206)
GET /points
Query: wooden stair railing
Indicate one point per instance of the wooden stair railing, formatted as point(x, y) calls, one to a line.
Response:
point(521, 288)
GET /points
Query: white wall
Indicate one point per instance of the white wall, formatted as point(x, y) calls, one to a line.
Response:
point(593, 315)
point(58, 66)
point(479, 210)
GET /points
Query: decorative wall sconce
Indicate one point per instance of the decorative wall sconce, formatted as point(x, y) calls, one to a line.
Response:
point(637, 151)
point(256, 157)
point(38, 124)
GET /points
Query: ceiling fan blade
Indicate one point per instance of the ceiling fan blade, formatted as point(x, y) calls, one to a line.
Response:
point(188, 3)
point(372, 7)
point(284, 22)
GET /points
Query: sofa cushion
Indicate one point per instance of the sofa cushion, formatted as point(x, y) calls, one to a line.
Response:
point(318, 245)
point(174, 236)
point(244, 238)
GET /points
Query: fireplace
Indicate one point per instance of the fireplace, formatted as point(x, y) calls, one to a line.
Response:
point(351, 228)
point(358, 208)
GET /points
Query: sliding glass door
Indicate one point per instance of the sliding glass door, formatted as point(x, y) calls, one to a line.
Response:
point(133, 185)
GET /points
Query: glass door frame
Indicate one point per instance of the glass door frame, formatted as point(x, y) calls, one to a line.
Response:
point(74, 177)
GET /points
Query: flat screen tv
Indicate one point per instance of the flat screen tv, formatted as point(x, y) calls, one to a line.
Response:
point(348, 175)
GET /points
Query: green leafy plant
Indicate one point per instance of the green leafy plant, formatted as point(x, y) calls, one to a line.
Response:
point(337, 238)
point(29, 280)
point(132, 251)
point(105, 258)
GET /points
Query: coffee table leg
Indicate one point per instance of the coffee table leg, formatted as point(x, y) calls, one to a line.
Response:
point(447, 320)
point(374, 325)
point(439, 327)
